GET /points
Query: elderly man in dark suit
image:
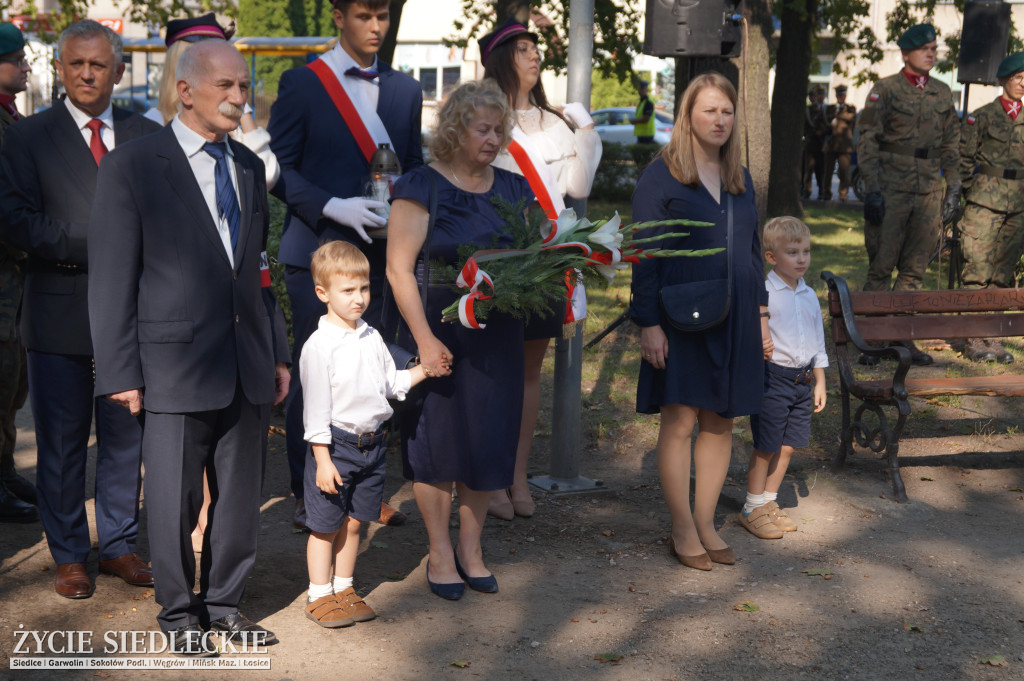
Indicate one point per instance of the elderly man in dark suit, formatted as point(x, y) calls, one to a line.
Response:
point(324, 169)
point(49, 166)
point(187, 332)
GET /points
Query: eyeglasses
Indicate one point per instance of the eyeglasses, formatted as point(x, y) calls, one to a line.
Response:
point(1016, 79)
point(527, 49)
point(20, 62)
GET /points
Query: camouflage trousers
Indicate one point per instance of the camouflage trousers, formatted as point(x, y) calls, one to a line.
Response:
point(905, 241)
point(992, 243)
point(13, 391)
point(843, 159)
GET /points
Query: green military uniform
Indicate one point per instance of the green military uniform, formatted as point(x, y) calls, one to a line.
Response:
point(993, 222)
point(907, 136)
point(816, 129)
point(843, 119)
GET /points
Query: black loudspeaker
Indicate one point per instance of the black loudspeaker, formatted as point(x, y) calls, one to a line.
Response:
point(693, 28)
point(983, 41)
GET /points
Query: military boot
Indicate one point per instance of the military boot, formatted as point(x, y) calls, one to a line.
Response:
point(1001, 354)
point(14, 510)
point(977, 350)
point(15, 483)
point(917, 356)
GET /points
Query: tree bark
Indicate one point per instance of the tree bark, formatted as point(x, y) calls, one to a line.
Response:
point(789, 101)
point(387, 48)
point(757, 145)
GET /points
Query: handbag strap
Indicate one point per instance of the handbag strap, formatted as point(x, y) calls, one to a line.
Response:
point(728, 242)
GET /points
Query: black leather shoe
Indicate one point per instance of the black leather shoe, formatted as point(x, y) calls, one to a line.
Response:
point(14, 510)
point(19, 486)
point(190, 641)
point(917, 357)
point(237, 628)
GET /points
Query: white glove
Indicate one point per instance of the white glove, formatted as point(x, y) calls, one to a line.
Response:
point(578, 115)
point(356, 213)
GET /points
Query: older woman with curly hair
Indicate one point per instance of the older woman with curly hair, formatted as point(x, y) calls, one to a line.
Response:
point(463, 428)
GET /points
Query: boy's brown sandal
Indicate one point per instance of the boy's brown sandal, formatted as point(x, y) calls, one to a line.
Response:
point(328, 612)
point(780, 518)
point(760, 524)
point(354, 606)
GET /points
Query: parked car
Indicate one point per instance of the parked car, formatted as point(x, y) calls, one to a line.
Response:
point(613, 125)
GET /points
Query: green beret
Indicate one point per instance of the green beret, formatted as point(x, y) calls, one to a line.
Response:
point(916, 36)
point(1011, 65)
point(11, 39)
point(841, 89)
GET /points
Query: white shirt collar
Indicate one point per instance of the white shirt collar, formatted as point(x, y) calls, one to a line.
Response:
point(361, 327)
point(778, 284)
point(82, 119)
point(190, 140)
point(344, 61)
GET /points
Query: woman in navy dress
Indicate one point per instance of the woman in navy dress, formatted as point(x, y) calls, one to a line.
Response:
point(463, 428)
point(708, 377)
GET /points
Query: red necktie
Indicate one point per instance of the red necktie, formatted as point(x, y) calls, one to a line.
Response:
point(96, 145)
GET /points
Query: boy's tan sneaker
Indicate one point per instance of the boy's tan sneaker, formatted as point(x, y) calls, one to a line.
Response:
point(760, 524)
point(328, 612)
point(780, 518)
point(354, 606)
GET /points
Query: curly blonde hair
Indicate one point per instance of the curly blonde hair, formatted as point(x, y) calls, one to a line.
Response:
point(458, 111)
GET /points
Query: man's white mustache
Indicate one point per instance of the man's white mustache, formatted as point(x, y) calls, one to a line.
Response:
point(230, 110)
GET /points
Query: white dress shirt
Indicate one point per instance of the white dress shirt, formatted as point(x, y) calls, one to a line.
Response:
point(340, 61)
point(82, 120)
point(204, 166)
point(796, 326)
point(347, 377)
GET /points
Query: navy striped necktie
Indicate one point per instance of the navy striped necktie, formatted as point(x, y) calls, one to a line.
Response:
point(227, 201)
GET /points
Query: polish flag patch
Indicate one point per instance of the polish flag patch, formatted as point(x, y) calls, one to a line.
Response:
point(971, 120)
point(873, 97)
point(264, 270)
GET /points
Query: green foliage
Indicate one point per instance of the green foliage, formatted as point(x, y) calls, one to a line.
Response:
point(616, 174)
point(616, 31)
point(610, 91)
point(277, 213)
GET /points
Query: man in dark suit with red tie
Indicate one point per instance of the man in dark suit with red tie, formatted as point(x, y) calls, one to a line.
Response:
point(49, 166)
point(187, 332)
point(324, 169)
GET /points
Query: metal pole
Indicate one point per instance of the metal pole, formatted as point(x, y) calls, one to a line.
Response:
point(565, 420)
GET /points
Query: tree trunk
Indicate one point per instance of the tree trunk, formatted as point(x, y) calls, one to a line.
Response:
point(757, 151)
point(789, 101)
point(387, 48)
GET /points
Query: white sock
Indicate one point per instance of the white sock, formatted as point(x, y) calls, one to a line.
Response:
point(753, 501)
point(341, 583)
point(319, 591)
point(770, 496)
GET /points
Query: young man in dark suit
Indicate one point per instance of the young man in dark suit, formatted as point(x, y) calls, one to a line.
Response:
point(49, 166)
point(324, 170)
point(187, 332)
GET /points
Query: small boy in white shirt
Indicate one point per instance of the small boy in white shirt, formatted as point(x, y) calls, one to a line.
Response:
point(799, 358)
point(347, 378)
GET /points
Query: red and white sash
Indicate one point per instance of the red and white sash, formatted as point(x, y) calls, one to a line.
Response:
point(366, 126)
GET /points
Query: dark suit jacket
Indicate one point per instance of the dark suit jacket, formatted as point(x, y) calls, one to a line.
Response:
point(49, 178)
point(170, 315)
point(319, 156)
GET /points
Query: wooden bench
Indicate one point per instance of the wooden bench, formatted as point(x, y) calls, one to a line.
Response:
point(874, 317)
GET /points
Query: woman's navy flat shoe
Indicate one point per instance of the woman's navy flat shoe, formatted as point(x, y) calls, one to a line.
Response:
point(487, 585)
point(451, 592)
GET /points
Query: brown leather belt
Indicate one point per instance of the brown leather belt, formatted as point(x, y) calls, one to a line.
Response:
point(1004, 173)
point(905, 150)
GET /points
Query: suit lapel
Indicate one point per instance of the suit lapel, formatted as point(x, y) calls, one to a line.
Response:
point(182, 180)
point(244, 175)
point(386, 92)
point(126, 126)
point(67, 139)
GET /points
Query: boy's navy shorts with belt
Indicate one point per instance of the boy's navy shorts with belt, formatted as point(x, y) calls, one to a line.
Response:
point(361, 464)
point(786, 407)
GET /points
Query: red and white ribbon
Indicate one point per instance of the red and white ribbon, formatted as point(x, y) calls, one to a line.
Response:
point(471, 277)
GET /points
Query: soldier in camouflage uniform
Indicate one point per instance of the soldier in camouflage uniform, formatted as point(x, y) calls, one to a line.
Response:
point(816, 129)
point(992, 170)
point(909, 133)
point(17, 495)
point(842, 117)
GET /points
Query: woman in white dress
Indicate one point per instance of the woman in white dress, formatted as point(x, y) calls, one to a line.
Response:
point(567, 142)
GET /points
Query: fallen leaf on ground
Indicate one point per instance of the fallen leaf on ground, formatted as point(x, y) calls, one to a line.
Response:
point(911, 627)
point(575, 619)
point(460, 663)
point(608, 657)
point(608, 533)
point(814, 572)
point(925, 478)
point(395, 576)
point(995, 661)
point(746, 606)
point(379, 544)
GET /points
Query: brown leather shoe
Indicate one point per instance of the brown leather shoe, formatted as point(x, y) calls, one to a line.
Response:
point(130, 568)
point(390, 515)
point(73, 581)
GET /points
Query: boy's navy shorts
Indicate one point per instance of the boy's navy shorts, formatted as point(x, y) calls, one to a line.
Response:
point(786, 407)
point(360, 462)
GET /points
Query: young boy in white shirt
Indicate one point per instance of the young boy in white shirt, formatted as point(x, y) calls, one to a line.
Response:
point(798, 334)
point(348, 376)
